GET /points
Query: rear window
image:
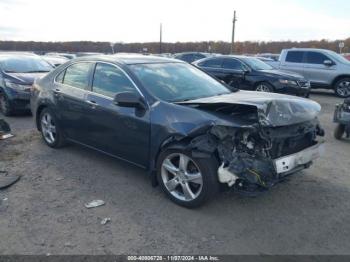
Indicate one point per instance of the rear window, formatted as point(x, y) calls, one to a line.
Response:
point(294, 56)
point(214, 62)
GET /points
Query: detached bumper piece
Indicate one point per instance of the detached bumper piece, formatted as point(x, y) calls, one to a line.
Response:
point(289, 164)
point(5, 131)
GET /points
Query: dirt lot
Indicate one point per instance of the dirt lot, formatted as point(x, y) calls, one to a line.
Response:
point(45, 213)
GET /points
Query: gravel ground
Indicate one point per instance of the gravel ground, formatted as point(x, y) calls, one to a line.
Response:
point(44, 212)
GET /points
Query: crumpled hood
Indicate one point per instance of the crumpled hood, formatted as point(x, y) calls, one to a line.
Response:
point(283, 74)
point(24, 78)
point(273, 109)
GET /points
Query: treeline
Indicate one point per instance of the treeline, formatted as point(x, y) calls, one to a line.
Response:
point(247, 47)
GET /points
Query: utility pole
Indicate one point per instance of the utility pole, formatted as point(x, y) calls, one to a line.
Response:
point(112, 46)
point(233, 31)
point(160, 38)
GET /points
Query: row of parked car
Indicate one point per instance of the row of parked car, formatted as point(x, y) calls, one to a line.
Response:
point(296, 72)
point(297, 68)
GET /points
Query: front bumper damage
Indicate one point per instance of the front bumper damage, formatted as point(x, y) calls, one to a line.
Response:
point(255, 159)
point(263, 139)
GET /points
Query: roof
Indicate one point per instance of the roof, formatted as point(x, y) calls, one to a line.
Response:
point(2, 53)
point(130, 59)
point(306, 49)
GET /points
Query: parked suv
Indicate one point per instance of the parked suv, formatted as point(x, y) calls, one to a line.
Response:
point(324, 68)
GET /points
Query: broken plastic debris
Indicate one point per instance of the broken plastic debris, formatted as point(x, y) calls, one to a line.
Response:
point(5, 131)
point(7, 180)
point(105, 220)
point(5, 136)
point(225, 176)
point(95, 203)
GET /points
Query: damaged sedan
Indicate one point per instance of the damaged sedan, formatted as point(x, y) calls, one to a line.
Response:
point(194, 135)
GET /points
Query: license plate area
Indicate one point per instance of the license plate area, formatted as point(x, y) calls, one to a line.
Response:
point(290, 162)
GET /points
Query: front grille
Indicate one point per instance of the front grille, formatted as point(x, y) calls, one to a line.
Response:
point(288, 146)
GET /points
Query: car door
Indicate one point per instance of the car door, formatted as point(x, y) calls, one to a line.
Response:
point(120, 131)
point(234, 73)
point(294, 62)
point(316, 71)
point(70, 90)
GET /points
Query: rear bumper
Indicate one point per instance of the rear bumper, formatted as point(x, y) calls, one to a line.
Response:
point(292, 163)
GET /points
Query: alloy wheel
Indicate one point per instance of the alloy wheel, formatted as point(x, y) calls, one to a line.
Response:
point(181, 177)
point(48, 128)
point(343, 88)
point(263, 88)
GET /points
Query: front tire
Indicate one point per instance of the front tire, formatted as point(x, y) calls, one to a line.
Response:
point(264, 87)
point(50, 129)
point(5, 106)
point(339, 131)
point(342, 87)
point(186, 180)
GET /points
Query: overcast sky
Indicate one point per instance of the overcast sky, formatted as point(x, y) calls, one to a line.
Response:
point(183, 20)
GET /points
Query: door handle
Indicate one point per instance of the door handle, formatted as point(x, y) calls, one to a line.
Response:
point(93, 104)
point(57, 93)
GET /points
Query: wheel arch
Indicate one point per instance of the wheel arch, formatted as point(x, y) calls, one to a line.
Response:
point(37, 115)
point(179, 143)
point(335, 80)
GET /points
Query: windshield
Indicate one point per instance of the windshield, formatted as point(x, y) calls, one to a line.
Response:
point(256, 64)
point(175, 82)
point(24, 64)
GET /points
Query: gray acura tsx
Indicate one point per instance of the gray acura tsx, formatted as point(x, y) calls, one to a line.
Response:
point(193, 134)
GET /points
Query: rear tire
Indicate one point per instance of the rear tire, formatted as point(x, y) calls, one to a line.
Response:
point(5, 106)
point(176, 182)
point(50, 129)
point(339, 131)
point(342, 87)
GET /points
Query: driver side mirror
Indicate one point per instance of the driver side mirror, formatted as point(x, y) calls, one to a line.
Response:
point(328, 62)
point(129, 99)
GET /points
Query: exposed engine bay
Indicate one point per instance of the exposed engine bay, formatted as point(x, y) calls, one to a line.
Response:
point(264, 148)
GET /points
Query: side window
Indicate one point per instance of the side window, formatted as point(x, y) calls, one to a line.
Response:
point(294, 56)
point(77, 75)
point(110, 80)
point(232, 64)
point(59, 78)
point(214, 63)
point(315, 58)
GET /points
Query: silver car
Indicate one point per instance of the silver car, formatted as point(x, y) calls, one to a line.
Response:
point(323, 68)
